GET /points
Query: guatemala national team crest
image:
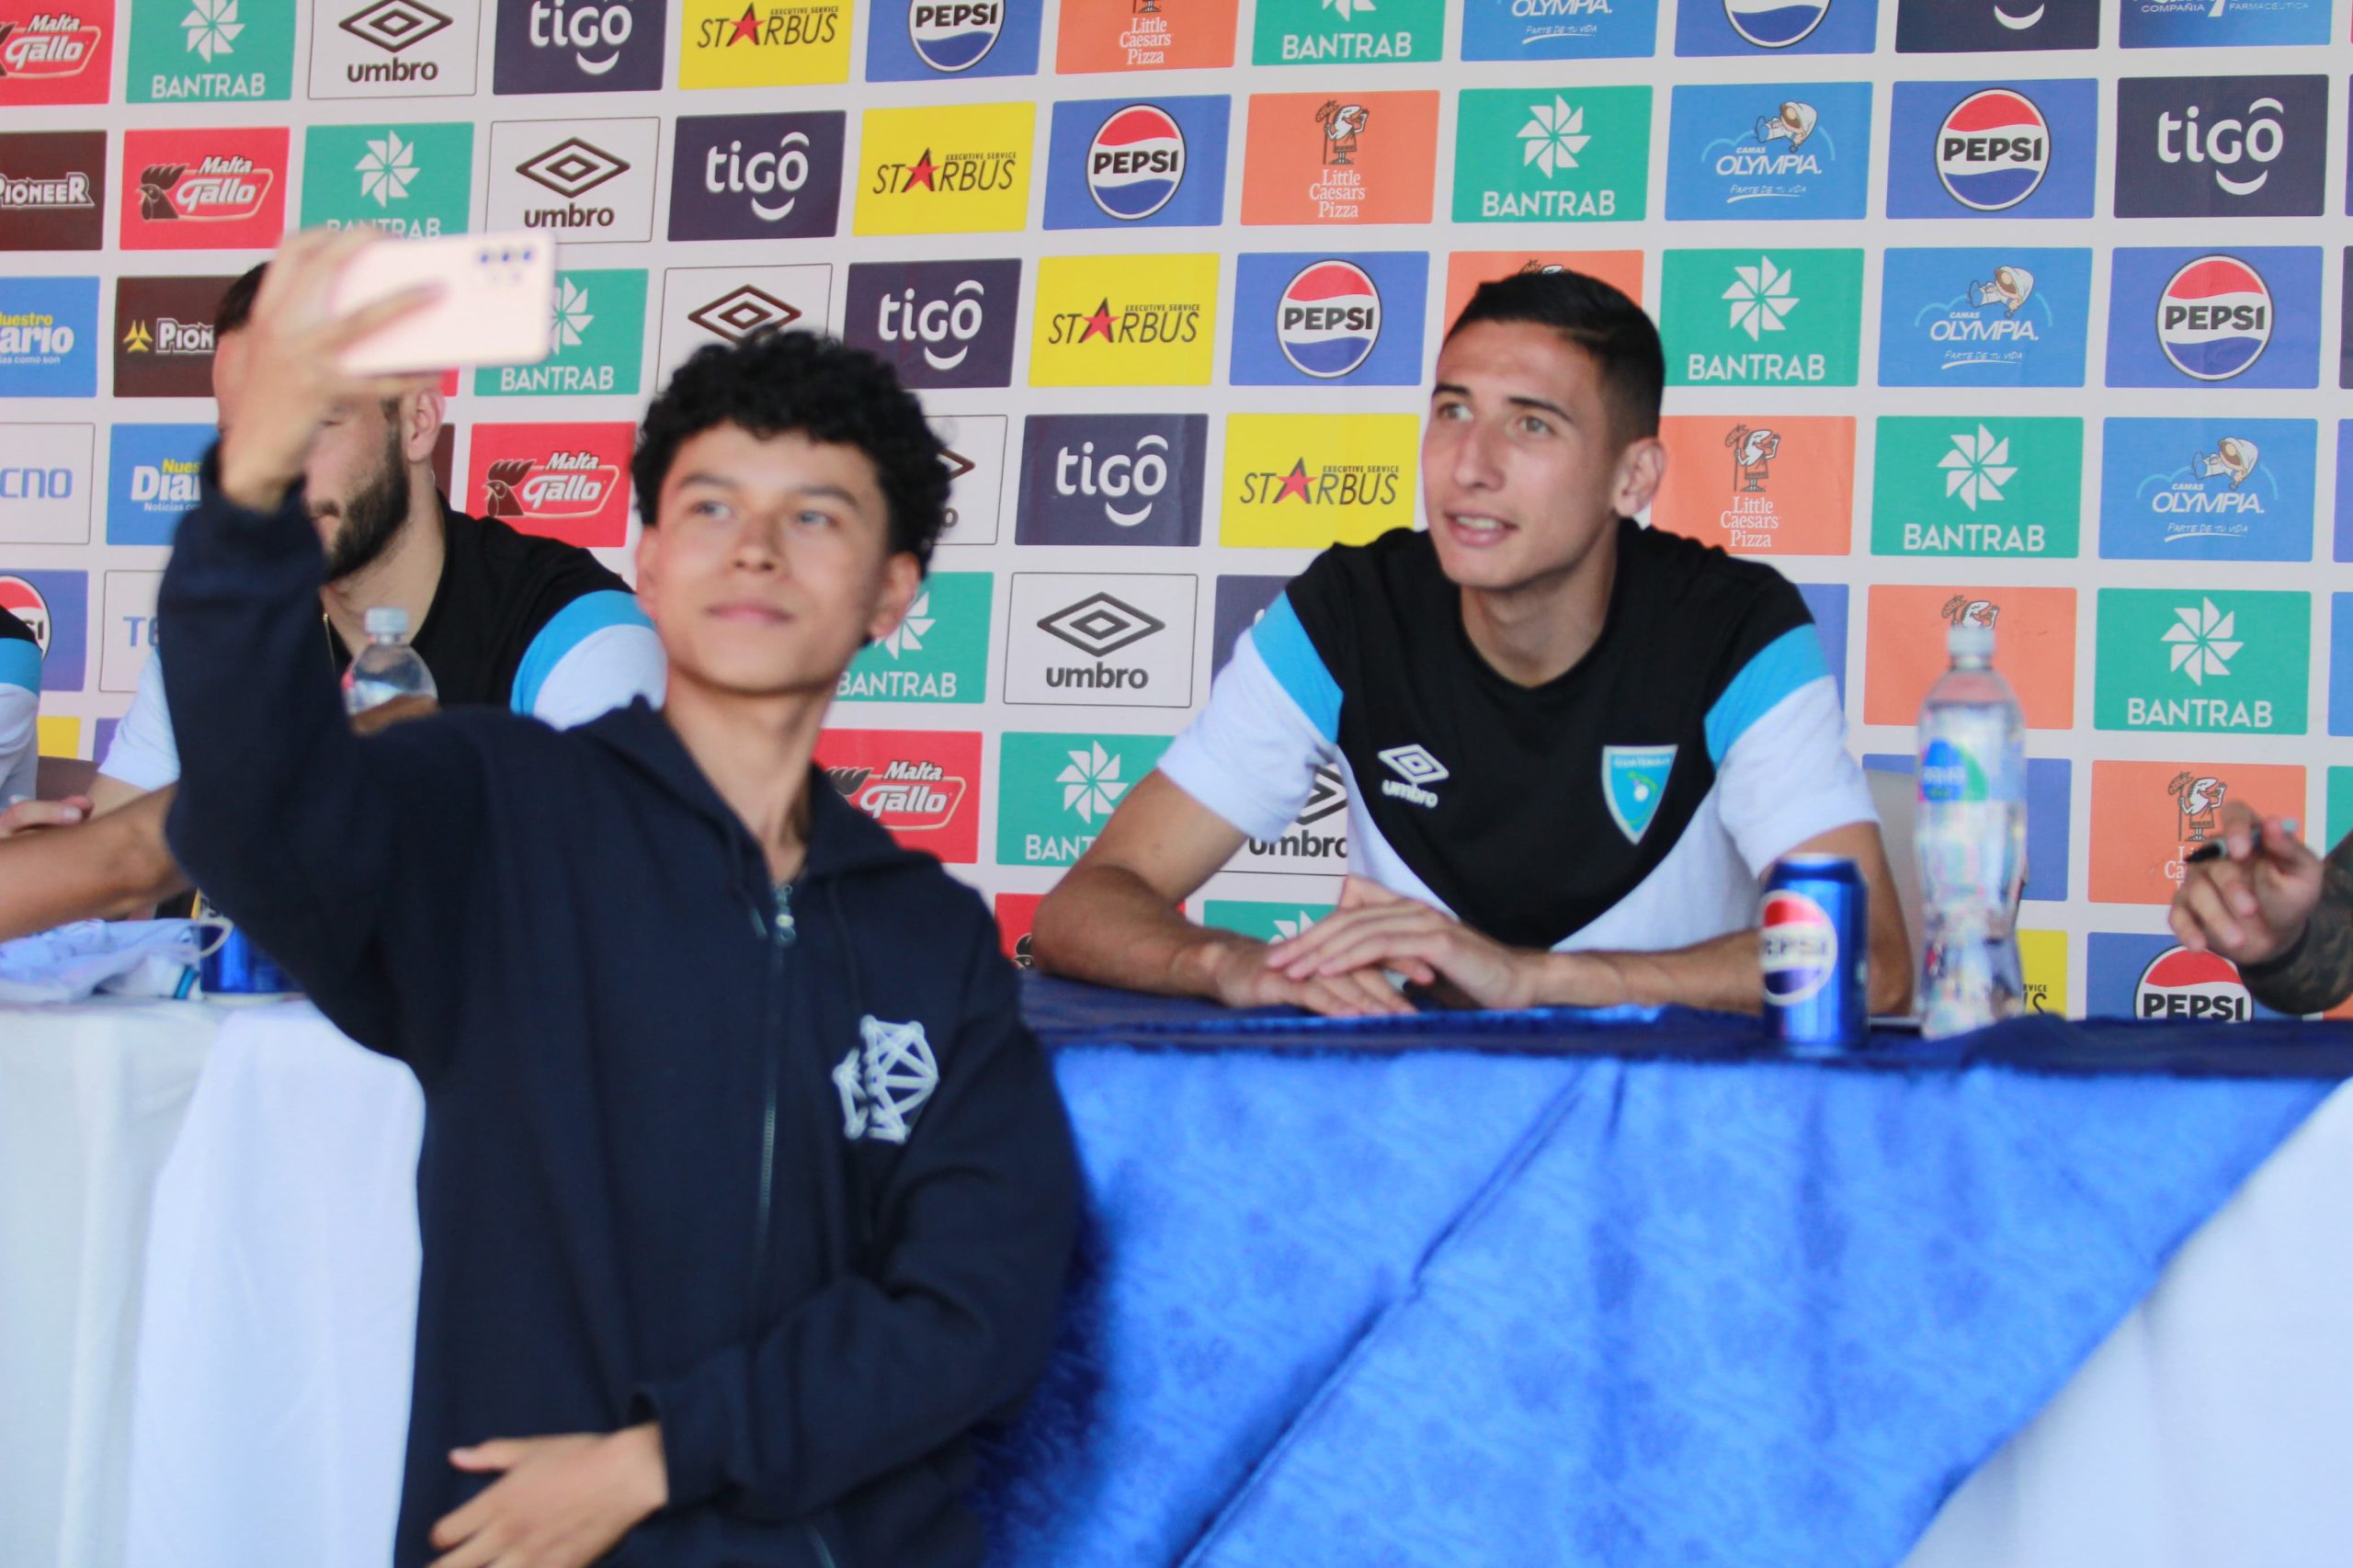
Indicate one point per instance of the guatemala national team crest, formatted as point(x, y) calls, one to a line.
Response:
point(1993, 150)
point(1328, 318)
point(1136, 162)
point(2214, 318)
point(1633, 781)
point(885, 1080)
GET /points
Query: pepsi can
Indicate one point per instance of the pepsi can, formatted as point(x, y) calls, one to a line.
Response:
point(1813, 945)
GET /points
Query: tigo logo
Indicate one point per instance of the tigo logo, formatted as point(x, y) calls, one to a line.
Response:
point(56, 606)
point(210, 51)
point(1140, 35)
point(1059, 790)
point(2222, 24)
point(1748, 318)
point(415, 181)
point(45, 484)
point(911, 41)
point(1558, 29)
point(1304, 319)
point(1305, 480)
point(567, 481)
point(940, 653)
point(1124, 478)
point(1805, 27)
point(55, 54)
point(946, 169)
point(2146, 818)
point(1323, 32)
point(2034, 633)
point(923, 785)
point(1761, 485)
point(1124, 321)
point(940, 323)
point(702, 305)
point(579, 46)
point(2009, 317)
point(53, 189)
point(2190, 147)
point(163, 335)
point(203, 189)
point(756, 177)
point(1548, 156)
point(151, 480)
point(2178, 317)
point(598, 341)
point(1996, 150)
point(394, 49)
point(1788, 150)
point(1977, 486)
point(1356, 158)
point(48, 331)
point(1984, 27)
point(2202, 660)
point(747, 43)
point(582, 180)
point(1101, 641)
point(2209, 489)
point(1117, 163)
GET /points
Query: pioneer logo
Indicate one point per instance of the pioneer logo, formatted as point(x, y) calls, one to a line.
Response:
point(61, 193)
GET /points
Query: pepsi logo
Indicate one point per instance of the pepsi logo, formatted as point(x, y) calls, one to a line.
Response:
point(1775, 24)
point(955, 36)
point(24, 602)
point(1136, 162)
point(1797, 946)
point(1993, 150)
point(2214, 318)
point(1327, 319)
point(2179, 983)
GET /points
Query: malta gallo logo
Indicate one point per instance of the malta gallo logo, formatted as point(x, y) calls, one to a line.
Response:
point(53, 54)
point(1993, 150)
point(2214, 318)
point(568, 481)
point(923, 785)
point(203, 189)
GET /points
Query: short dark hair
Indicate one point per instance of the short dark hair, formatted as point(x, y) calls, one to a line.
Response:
point(1598, 318)
point(236, 307)
point(774, 384)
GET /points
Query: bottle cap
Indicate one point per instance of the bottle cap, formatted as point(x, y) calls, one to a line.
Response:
point(387, 620)
point(1967, 640)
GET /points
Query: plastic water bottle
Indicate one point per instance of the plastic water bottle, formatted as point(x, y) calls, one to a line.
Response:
point(388, 667)
point(1972, 840)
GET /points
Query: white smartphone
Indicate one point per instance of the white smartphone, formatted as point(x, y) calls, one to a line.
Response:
point(497, 305)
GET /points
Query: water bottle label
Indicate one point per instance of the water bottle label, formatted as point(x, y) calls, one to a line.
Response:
point(1797, 946)
point(1948, 774)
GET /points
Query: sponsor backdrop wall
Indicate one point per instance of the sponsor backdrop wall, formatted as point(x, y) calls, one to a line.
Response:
point(2023, 311)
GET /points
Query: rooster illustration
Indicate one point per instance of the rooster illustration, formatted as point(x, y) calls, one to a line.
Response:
point(155, 182)
point(498, 487)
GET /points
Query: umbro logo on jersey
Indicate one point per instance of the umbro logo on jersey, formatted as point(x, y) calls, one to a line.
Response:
point(1416, 769)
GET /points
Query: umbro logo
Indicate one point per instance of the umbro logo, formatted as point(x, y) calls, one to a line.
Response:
point(736, 316)
point(395, 25)
point(572, 169)
point(1416, 769)
point(1100, 625)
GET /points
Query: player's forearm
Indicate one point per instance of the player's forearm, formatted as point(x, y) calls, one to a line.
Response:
point(1105, 923)
point(111, 868)
point(2316, 972)
point(1719, 974)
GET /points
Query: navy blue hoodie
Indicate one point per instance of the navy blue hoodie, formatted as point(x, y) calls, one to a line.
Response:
point(780, 1168)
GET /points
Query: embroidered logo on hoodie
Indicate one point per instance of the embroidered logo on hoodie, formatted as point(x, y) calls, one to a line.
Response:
point(885, 1080)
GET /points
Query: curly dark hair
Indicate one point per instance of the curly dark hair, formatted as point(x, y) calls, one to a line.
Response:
point(772, 383)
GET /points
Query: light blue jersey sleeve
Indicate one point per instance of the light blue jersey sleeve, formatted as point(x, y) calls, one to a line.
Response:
point(596, 653)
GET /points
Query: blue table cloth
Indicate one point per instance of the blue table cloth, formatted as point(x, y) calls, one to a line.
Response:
point(1612, 1289)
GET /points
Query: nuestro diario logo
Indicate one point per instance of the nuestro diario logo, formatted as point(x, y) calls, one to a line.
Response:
point(1306, 481)
point(598, 340)
point(53, 189)
point(582, 180)
point(1303, 319)
point(764, 43)
point(940, 323)
point(1118, 163)
point(579, 46)
point(1558, 29)
point(914, 41)
point(1977, 486)
point(203, 189)
point(2007, 316)
point(1145, 35)
point(1323, 32)
point(1993, 149)
point(945, 169)
point(1347, 158)
point(415, 181)
point(364, 48)
point(54, 53)
point(2207, 489)
point(49, 329)
point(940, 653)
point(756, 177)
point(211, 51)
point(152, 480)
point(1771, 317)
point(2202, 659)
point(1124, 321)
point(1571, 153)
point(1765, 485)
point(1795, 150)
point(2183, 317)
